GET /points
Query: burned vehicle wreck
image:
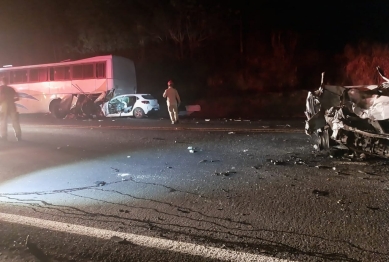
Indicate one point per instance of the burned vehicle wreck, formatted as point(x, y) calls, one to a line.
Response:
point(353, 118)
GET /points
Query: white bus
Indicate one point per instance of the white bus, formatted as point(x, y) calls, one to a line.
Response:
point(43, 87)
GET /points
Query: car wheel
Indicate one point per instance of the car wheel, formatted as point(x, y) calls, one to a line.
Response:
point(138, 112)
point(55, 109)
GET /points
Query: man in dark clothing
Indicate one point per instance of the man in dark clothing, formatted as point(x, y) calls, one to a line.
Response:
point(8, 96)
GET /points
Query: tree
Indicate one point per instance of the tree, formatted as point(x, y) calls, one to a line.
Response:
point(362, 60)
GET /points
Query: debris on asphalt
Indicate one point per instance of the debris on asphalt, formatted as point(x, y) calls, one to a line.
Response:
point(323, 167)
point(257, 167)
point(320, 192)
point(287, 125)
point(373, 208)
point(342, 173)
point(209, 161)
point(100, 183)
point(350, 163)
point(115, 169)
point(168, 167)
point(128, 156)
point(207, 120)
point(123, 174)
point(231, 133)
point(228, 173)
point(277, 162)
point(183, 211)
point(366, 173)
point(340, 201)
point(59, 147)
point(192, 149)
point(26, 242)
point(245, 150)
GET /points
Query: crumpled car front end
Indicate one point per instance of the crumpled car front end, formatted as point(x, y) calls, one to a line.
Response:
point(350, 117)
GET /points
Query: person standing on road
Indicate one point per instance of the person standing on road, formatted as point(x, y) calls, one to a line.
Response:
point(173, 101)
point(8, 96)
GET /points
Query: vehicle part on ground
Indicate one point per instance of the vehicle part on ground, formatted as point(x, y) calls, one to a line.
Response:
point(353, 117)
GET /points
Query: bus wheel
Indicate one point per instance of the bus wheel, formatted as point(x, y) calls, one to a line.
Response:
point(138, 112)
point(55, 108)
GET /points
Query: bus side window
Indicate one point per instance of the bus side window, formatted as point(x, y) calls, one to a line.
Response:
point(51, 74)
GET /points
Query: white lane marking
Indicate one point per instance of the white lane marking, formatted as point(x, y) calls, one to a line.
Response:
point(151, 242)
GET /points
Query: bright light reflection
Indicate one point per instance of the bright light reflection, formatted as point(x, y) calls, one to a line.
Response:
point(75, 184)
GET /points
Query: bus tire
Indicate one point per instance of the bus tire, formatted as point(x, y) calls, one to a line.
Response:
point(55, 108)
point(138, 112)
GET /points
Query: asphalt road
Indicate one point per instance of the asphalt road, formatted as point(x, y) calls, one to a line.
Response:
point(131, 190)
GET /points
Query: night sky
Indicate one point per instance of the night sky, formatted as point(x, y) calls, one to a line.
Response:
point(45, 31)
point(332, 23)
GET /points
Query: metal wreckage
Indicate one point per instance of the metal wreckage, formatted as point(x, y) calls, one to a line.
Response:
point(353, 118)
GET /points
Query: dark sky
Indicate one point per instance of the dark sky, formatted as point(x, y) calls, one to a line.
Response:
point(335, 22)
point(330, 23)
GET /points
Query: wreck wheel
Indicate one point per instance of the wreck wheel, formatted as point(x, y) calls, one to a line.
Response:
point(321, 139)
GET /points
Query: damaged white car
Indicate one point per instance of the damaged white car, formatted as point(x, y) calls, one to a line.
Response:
point(137, 105)
point(350, 117)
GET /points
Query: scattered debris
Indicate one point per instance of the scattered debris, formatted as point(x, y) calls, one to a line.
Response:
point(26, 242)
point(183, 211)
point(342, 173)
point(373, 208)
point(320, 192)
point(257, 167)
point(323, 167)
point(168, 167)
point(207, 120)
point(100, 183)
point(128, 156)
point(115, 169)
point(228, 173)
point(191, 149)
point(209, 161)
point(350, 163)
point(231, 133)
point(340, 201)
point(245, 150)
point(277, 162)
point(123, 174)
point(287, 125)
point(366, 173)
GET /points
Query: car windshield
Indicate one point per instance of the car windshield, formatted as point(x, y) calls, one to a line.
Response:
point(148, 97)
